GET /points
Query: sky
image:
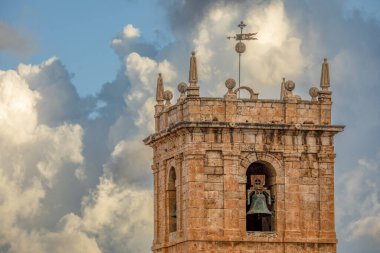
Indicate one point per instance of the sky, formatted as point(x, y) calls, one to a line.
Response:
point(77, 84)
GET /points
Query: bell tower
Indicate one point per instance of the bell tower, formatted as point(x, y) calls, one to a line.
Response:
point(243, 174)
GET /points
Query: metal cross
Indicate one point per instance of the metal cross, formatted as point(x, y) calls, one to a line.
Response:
point(240, 46)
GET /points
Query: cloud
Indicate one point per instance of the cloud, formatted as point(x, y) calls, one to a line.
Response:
point(359, 201)
point(12, 41)
point(33, 154)
point(365, 226)
point(39, 145)
point(130, 32)
point(55, 242)
point(129, 41)
point(124, 156)
point(61, 102)
point(17, 112)
point(141, 73)
point(119, 216)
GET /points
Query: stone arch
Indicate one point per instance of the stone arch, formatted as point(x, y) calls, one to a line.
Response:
point(170, 165)
point(273, 164)
point(252, 94)
point(172, 176)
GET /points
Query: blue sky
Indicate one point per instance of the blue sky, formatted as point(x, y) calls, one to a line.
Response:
point(77, 82)
point(79, 33)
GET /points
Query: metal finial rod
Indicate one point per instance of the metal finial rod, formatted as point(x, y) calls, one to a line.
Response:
point(241, 26)
point(240, 46)
point(239, 71)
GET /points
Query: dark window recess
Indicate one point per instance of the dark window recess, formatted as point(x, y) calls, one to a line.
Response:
point(172, 196)
point(259, 198)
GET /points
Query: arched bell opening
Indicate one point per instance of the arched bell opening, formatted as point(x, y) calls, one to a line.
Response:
point(172, 196)
point(259, 197)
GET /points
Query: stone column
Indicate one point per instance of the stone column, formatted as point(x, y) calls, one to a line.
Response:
point(292, 197)
point(194, 198)
point(327, 219)
point(179, 188)
point(156, 189)
point(234, 197)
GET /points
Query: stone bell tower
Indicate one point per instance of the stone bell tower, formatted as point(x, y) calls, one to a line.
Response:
point(243, 175)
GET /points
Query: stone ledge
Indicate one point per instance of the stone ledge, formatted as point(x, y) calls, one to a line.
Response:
point(241, 125)
point(265, 234)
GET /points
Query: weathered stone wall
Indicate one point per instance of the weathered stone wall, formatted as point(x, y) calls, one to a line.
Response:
point(258, 111)
point(211, 159)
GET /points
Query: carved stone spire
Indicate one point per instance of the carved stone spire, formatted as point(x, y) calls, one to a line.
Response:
point(193, 74)
point(160, 90)
point(193, 89)
point(325, 76)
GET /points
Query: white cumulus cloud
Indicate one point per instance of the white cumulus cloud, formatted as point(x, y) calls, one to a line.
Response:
point(33, 154)
point(130, 32)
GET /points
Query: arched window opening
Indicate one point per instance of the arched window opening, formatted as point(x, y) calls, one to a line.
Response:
point(259, 198)
point(172, 193)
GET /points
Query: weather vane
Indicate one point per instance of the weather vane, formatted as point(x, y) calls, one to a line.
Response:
point(240, 46)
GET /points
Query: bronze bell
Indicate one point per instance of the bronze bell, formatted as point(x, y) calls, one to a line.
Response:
point(258, 205)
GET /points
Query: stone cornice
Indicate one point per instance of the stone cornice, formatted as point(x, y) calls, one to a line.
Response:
point(242, 125)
